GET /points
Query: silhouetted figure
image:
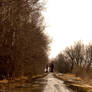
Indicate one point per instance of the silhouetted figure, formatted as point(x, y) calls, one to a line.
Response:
point(46, 69)
point(51, 67)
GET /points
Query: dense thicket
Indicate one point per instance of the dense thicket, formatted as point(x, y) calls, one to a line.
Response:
point(23, 44)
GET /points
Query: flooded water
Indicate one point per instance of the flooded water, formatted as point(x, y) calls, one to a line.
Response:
point(55, 85)
point(47, 84)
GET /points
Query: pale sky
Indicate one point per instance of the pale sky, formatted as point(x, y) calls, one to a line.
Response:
point(68, 21)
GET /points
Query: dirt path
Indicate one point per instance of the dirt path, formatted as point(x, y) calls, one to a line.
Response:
point(55, 85)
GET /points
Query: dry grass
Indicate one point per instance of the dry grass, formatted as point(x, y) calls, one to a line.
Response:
point(68, 77)
point(39, 76)
point(77, 82)
point(3, 81)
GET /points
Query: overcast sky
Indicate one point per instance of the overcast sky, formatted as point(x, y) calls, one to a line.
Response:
point(68, 21)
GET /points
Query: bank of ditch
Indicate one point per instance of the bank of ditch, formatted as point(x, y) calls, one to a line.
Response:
point(75, 83)
point(18, 82)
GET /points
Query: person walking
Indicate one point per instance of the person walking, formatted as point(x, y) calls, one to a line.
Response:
point(46, 69)
point(51, 67)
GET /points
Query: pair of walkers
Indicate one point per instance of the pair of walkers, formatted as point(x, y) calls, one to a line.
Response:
point(49, 68)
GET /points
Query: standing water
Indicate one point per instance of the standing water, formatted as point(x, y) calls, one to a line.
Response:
point(47, 84)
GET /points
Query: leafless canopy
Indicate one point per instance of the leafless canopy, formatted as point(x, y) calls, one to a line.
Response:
point(22, 36)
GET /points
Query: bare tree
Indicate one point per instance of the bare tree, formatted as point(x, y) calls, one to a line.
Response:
point(76, 59)
point(88, 56)
point(75, 54)
point(61, 63)
point(22, 36)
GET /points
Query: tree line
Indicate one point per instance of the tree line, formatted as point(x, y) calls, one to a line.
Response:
point(23, 43)
point(75, 59)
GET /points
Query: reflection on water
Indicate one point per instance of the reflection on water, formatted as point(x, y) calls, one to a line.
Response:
point(32, 88)
point(55, 85)
point(22, 90)
point(46, 84)
point(37, 86)
point(27, 90)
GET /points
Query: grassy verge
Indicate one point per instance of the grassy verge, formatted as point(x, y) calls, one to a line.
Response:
point(75, 83)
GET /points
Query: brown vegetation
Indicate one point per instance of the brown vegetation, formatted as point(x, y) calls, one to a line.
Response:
point(75, 83)
point(76, 59)
point(23, 44)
